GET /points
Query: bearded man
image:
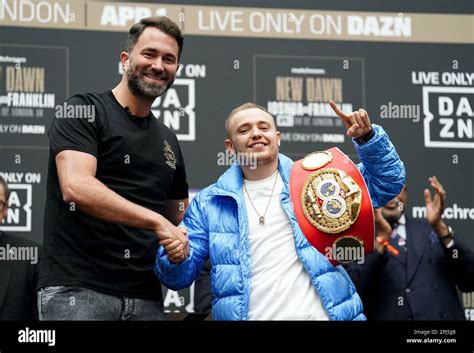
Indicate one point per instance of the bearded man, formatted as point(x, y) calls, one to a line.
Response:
point(116, 183)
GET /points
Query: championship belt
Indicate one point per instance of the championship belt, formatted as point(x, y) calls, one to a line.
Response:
point(332, 205)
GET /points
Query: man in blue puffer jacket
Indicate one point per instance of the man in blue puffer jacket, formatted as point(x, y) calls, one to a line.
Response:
point(263, 268)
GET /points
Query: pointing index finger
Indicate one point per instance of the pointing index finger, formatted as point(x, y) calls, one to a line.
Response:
point(339, 112)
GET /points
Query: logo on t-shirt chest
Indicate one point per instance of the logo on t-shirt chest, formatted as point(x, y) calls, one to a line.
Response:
point(169, 155)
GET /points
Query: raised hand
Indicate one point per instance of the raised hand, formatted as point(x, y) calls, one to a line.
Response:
point(435, 205)
point(357, 123)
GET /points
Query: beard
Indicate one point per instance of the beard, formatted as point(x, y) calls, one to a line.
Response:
point(139, 87)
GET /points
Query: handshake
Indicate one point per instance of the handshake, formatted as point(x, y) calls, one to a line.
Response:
point(174, 240)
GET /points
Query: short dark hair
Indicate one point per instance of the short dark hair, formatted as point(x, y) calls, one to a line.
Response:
point(5, 188)
point(162, 23)
point(244, 106)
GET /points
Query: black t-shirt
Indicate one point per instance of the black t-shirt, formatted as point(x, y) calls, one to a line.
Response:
point(139, 159)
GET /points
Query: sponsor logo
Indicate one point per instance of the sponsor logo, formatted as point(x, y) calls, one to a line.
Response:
point(19, 209)
point(453, 212)
point(448, 101)
point(176, 109)
point(449, 117)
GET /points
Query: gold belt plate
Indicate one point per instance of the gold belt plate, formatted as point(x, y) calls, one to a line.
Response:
point(331, 200)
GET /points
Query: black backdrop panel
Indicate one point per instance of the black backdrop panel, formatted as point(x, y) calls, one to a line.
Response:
point(421, 93)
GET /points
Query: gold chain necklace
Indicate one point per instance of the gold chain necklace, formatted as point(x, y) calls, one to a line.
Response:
point(261, 219)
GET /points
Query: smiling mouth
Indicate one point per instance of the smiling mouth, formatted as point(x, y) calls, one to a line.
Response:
point(155, 78)
point(257, 145)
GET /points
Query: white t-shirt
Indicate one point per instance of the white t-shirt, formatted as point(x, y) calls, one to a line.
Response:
point(280, 288)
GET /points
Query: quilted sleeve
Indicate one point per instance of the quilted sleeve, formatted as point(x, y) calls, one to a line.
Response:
point(381, 167)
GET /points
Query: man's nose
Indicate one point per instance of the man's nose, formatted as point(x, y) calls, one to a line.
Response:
point(256, 133)
point(157, 64)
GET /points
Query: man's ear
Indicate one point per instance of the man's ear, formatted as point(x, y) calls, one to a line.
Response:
point(229, 146)
point(125, 60)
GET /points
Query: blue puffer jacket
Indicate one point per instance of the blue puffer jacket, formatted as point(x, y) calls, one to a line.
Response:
point(217, 225)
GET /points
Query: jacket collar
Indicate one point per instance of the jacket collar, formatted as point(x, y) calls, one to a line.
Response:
point(232, 180)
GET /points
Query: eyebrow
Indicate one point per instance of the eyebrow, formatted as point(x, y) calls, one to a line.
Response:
point(258, 123)
point(154, 50)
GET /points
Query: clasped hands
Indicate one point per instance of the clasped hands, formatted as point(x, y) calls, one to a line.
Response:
point(175, 241)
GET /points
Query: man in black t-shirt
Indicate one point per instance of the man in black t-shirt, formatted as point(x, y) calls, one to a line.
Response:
point(116, 185)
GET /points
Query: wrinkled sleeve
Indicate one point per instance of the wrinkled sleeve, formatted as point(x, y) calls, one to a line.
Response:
point(381, 167)
point(181, 276)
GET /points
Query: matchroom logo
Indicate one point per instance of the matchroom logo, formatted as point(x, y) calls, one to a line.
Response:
point(449, 117)
point(19, 209)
